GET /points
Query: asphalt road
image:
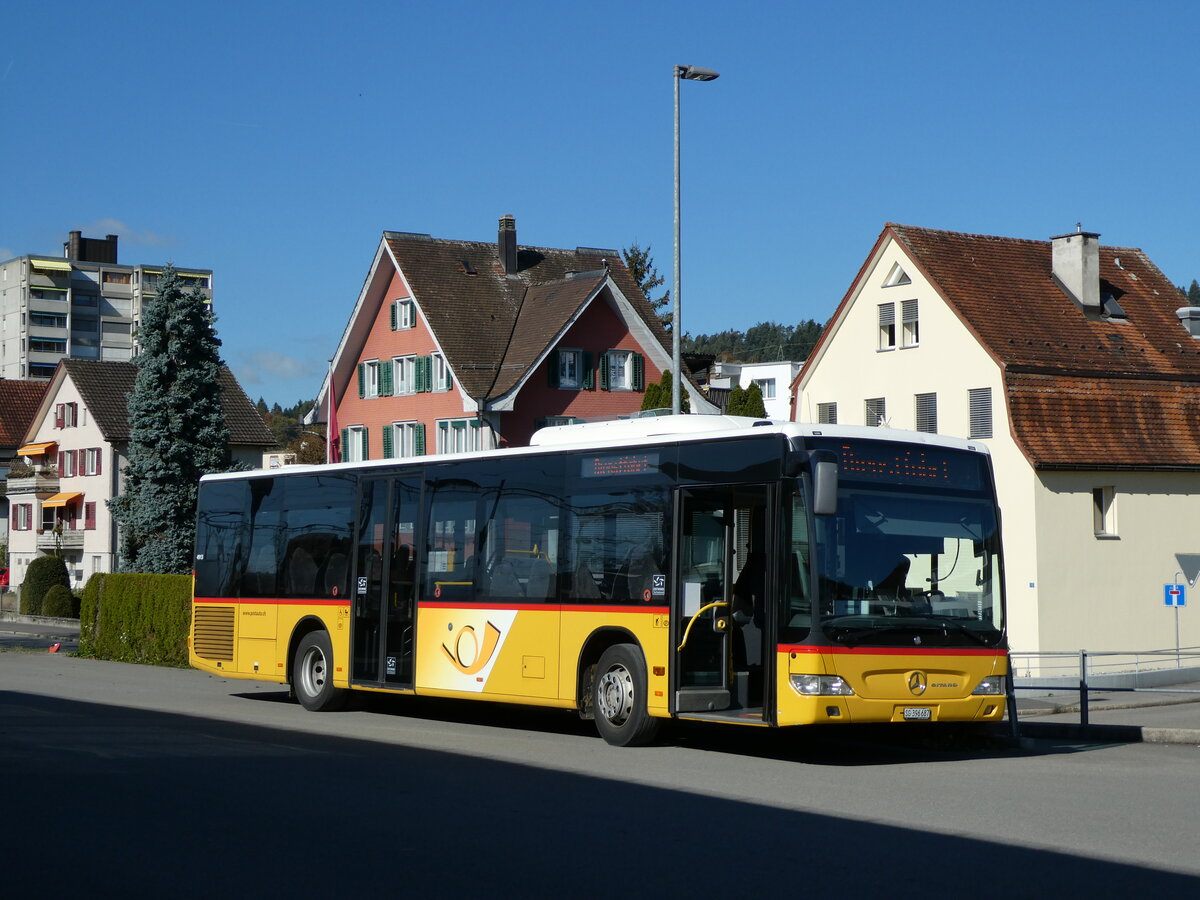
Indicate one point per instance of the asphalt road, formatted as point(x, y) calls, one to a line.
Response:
point(154, 782)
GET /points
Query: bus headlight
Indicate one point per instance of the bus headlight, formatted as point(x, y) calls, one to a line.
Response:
point(821, 686)
point(993, 684)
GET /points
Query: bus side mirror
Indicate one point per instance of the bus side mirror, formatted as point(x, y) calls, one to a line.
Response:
point(825, 482)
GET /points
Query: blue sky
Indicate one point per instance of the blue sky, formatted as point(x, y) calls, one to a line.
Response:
point(275, 142)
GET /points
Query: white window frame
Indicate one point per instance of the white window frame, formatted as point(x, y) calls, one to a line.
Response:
point(404, 370)
point(353, 451)
point(441, 373)
point(827, 413)
point(370, 378)
point(887, 326)
point(767, 387)
point(570, 369)
point(618, 361)
point(910, 324)
point(875, 411)
point(92, 461)
point(406, 314)
point(460, 435)
point(1104, 512)
point(925, 412)
point(403, 443)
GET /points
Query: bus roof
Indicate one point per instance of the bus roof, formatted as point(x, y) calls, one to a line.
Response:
point(642, 431)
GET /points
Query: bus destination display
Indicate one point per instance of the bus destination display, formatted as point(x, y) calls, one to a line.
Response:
point(619, 464)
point(883, 461)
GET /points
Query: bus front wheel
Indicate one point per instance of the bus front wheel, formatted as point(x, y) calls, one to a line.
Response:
point(312, 674)
point(619, 697)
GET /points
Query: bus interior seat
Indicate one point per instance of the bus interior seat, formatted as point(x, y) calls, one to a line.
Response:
point(584, 583)
point(301, 574)
point(539, 585)
point(503, 580)
point(639, 573)
point(335, 574)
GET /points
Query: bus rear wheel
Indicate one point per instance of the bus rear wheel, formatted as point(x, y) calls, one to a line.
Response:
point(619, 697)
point(312, 674)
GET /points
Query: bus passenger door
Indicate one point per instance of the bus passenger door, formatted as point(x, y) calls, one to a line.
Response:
point(383, 589)
point(719, 606)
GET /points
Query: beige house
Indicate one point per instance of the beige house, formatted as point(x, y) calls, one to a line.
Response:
point(73, 454)
point(1076, 365)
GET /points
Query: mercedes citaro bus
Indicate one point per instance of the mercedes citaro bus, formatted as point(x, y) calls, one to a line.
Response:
point(690, 567)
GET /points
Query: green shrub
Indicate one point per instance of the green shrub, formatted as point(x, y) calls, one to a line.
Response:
point(60, 603)
point(43, 573)
point(135, 617)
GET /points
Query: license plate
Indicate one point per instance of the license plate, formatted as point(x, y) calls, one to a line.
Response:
point(918, 712)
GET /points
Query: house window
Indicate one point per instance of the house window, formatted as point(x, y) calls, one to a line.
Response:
point(875, 412)
point(1104, 511)
point(827, 413)
point(23, 517)
point(404, 315)
point(897, 276)
point(887, 326)
point(981, 412)
point(767, 386)
point(44, 345)
point(354, 443)
point(41, 370)
point(404, 439)
point(622, 370)
point(405, 374)
point(441, 373)
point(570, 369)
point(460, 436)
point(48, 320)
point(911, 327)
point(92, 461)
point(49, 517)
point(67, 463)
point(368, 378)
point(926, 412)
point(115, 277)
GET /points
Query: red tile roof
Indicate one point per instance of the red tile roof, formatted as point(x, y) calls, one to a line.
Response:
point(19, 401)
point(1083, 391)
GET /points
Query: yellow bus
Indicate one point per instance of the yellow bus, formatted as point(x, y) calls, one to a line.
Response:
point(690, 567)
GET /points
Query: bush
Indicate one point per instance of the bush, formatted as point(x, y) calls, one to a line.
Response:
point(43, 573)
point(134, 617)
point(60, 603)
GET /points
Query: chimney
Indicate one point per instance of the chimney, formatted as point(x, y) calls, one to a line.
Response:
point(91, 249)
point(1075, 265)
point(71, 247)
point(507, 244)
point(1189, 317)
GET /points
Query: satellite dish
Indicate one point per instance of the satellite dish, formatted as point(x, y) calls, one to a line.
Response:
point(1190, 564)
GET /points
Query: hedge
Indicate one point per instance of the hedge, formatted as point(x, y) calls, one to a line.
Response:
point(133, 617)
point(60, 603)
point(43, 573)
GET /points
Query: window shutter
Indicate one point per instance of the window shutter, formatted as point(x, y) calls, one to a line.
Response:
point(876, 413)
point(827, 413)
point(387, 441)
point(362, 380)
point(981, 412)
point(604, 371)
point(62, 459)
point(410, 313)
point(926, 412)
point(553, 366)
point(386, 367)
point(908, 310)
point(59, 409)
point(89, 516)
point(419, 439)
point(99, 459)
point(366, 442)
point(639, 371)
point(424, 370)
point(395, 310)
point(345, 445)
point(588, 375)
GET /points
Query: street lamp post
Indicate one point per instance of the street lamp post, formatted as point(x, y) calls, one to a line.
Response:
point(691, 73)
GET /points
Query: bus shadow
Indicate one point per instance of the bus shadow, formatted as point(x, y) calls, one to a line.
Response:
point(189, 807)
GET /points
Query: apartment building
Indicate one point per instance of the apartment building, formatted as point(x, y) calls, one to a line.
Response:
point(82, 305)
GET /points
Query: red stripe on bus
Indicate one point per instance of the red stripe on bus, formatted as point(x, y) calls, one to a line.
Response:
point(546, 607)
point(274, 601)
point(891, 651)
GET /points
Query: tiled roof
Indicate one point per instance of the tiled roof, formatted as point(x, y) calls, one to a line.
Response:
point(105, 386)
point(485, 319)
point(1082, 390)
point(19, 401)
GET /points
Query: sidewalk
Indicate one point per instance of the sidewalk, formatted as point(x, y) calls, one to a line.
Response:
point(38, 632)
point(1168, 715)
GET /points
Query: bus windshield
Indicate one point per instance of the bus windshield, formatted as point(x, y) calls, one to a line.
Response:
point(912, 561)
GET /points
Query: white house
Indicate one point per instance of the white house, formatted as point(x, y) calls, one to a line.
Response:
point(774, 379)
point(1074, 363)
point(74, 452)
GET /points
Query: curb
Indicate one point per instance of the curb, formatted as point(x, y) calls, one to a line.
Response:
point(38, 620)
point(1104, 734)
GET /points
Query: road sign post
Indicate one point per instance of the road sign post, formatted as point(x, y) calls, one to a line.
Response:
point(1175, 595)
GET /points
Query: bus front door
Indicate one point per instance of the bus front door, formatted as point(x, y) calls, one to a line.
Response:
point(721, 539)
point(383, 593)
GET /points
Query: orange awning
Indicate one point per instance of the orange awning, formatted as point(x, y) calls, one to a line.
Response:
point(37, 449)
point(61, 499)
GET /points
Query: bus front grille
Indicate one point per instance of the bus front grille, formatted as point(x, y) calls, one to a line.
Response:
point(212, 632)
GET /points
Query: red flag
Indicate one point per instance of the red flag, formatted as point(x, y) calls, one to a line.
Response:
point(333, 437)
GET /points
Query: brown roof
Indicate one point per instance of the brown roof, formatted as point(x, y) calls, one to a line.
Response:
point(1083, 390)
point(489, 323)
point(105, 386)
point(19, 402)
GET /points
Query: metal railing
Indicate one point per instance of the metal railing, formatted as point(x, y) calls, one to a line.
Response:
point(1115, 671)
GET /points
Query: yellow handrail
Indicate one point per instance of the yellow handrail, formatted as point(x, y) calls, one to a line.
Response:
point(693, 619)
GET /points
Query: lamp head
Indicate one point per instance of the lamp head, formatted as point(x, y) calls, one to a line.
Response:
point(695, 73)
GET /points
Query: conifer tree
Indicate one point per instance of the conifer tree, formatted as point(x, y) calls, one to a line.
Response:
point(752, 402)
point(177, 429)
point(641, 266)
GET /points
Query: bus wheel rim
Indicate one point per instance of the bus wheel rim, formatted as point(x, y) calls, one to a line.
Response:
point(312, 672)
point(615, 696)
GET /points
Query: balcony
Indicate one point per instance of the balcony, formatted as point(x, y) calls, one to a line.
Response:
point(40, 482)
point(69, 539)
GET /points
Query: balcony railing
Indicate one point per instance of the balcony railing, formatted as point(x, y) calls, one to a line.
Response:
point(37, 483)
point(70, 539)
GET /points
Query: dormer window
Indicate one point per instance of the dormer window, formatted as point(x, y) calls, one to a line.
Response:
point(896, 276)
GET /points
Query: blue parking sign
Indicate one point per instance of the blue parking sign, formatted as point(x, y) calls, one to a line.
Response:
point(1174, 595)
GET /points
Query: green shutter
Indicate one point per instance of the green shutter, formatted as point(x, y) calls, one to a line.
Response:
point(344, 445)
point(386, 367)
point(419, 439)
point(366, 442)
point(412, 312)
point(552, 365)
point(387, 441)
point(395, 304)
point(604, 371)
point(639, 372)
point(589, 371)
point(423, 368)
point(362, 380)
